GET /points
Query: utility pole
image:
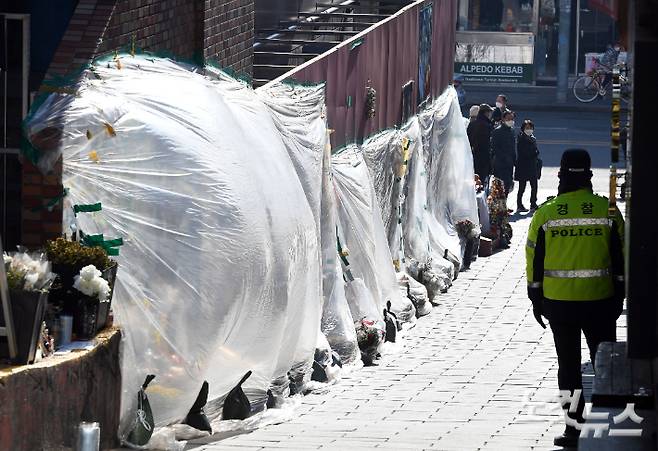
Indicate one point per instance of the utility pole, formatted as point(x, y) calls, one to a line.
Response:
point(563, 51)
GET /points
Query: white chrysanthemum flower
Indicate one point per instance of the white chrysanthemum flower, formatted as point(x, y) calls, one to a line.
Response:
point(87, 287)
point(7, 259)
point(89, 272)
point(103, 288)
point(90, 283)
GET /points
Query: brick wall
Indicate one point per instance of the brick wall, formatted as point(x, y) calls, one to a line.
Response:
point(40, 223)
point(229, 33)
point(217, 29)
point(169, 25)
point(222, 29)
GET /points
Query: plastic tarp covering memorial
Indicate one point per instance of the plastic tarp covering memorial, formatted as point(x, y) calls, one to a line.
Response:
point(449, 164)
point(396, 162)
point(300, 136)
point(384, 155)
point(422, 231)
point(361, 232)
point(220, 271)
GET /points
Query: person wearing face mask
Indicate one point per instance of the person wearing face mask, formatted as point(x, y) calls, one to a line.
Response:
point(525, 167)
point(479, 136)
point(503, 150)
point(501, 108)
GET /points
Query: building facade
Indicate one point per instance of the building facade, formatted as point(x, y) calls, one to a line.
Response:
point(516, 41)
point(55, 40)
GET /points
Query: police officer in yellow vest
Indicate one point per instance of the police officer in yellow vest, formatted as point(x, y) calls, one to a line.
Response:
point(575, 270)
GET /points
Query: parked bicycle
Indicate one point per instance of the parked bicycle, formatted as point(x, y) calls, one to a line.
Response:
point(596, 84)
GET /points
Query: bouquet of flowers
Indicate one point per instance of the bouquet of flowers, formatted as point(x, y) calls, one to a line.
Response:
point(371, 102)
point(467, 230)
point(29, 278)
point(90, 283)
point(369, 335)
point(498, 213)
point(29, 272)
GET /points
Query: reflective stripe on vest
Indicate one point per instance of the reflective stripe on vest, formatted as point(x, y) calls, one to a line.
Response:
point(576, 273)
point(531, 244)
point(576, 222)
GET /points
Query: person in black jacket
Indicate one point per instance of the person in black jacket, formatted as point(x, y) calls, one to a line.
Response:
point(527, 155)
point(479, 136)
point(503, 150)
point(501, 108)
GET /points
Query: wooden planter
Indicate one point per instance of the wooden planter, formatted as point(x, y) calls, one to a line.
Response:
point(28, 309)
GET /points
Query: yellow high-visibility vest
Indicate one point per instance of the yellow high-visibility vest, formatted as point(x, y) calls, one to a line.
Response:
point(569, 251)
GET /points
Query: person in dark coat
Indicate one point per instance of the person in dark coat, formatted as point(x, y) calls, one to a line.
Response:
point(527, 154)
point(479, 136)
point(501, 108)
point(503, 150)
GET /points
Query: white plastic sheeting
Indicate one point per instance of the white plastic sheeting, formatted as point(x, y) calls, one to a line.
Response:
point(433, 195)
point(361, 231)
point(295, 110)
point(230, 205)
point(220, 272)
point(449, 165)
point(314, 170)
point(423, 237)
point(384, 156)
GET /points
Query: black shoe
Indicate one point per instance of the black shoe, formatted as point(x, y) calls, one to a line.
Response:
point(568, 439)
point(534, 207)
point(521, 209)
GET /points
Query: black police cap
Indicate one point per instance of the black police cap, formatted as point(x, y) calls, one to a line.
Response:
point(575, 161)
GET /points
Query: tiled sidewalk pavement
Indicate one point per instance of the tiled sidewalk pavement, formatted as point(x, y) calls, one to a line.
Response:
point(462, 382)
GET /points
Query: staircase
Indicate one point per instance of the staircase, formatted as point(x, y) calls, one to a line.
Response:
point(293, 42)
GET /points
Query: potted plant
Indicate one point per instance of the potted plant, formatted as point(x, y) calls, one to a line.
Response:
point(68, 258)
point(29, 278)
point(93, 305)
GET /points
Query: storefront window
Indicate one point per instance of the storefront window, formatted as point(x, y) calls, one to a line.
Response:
point(512, 16)
point(547, 39)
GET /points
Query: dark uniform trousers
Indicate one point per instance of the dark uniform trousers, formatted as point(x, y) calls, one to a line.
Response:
point(596, 319)
point(533, 192)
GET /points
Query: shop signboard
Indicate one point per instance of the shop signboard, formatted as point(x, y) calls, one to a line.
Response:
point(495, 72)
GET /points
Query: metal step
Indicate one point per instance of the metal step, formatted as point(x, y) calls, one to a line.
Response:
point(270, 31)
point(280, 67)
point(263, 41)
point(357, 5)
point(344, 15)
point(303, 23)
point(270, 71)
point(287, 54)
